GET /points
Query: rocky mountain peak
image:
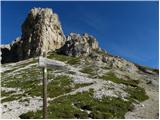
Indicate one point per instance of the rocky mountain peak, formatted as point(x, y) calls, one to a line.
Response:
point(41, 31)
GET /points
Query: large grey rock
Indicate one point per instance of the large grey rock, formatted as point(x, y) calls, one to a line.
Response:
point(77, 45)
point(41, 31)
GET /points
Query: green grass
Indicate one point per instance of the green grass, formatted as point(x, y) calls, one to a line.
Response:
point(82, 85)
point(64, 58)
point(111, 76)
point(31, 86)
point(20, 66)
point(59, 85)
point(70, 107)
point(137, 93)
point(11, 70)
point(4, 93)
point(12, 97)
point(73, 61)
point(88, 70)
point(29, 80)
point(54, 55)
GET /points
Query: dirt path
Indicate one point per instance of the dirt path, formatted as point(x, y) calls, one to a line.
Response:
point(148, 109)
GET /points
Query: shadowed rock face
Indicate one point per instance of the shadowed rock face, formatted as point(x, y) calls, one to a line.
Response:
point(5, 49)
point(41, 31)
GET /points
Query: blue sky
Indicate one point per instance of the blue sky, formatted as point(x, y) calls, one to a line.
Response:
point(126, 29)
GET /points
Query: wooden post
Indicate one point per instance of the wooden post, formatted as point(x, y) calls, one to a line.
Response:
point(44, 62)
point(45, 89)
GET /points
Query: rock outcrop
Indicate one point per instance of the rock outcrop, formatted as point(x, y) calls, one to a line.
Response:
point(119, 63)
point(5, 50)
point(77, 45)
point(41, 31)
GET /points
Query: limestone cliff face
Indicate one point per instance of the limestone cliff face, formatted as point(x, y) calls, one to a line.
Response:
point(41, 31)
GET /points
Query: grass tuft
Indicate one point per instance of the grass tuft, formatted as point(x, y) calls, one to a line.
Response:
point(88, 70)
point(137, 93)
point(68, 59)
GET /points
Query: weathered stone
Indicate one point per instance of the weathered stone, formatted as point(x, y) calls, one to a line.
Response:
point(77, 45)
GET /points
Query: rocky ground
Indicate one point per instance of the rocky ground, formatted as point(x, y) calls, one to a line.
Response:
point(21, 91)
point(148, 109)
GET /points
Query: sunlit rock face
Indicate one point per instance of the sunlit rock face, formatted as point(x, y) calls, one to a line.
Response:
point(41, 31)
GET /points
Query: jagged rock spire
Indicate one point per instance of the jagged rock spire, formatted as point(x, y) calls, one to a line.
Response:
point(41, 31)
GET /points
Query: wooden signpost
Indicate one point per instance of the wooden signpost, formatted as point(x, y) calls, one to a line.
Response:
point(44, 63)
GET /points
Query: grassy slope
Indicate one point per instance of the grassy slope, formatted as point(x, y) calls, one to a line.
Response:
point(71, 107)
point(63, 107)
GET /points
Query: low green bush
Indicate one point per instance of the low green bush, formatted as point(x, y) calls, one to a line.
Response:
point(137, 93)
point(111, 76)
point(71, 106)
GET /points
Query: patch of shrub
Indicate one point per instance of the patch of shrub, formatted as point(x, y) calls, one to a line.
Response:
point(111, 76)
point(88, 70)
point(71, 107)
point(137, 93)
